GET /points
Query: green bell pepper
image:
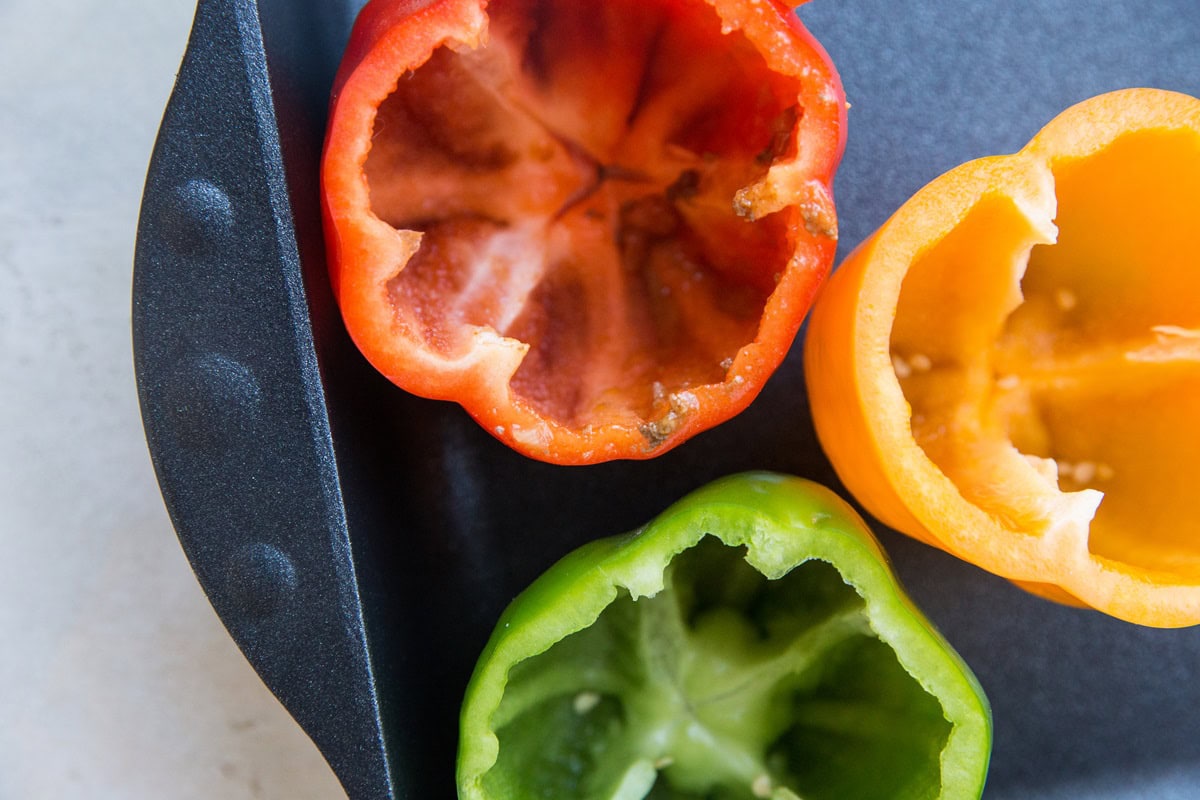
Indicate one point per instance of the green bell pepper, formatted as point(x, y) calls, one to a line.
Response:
point(750, 642)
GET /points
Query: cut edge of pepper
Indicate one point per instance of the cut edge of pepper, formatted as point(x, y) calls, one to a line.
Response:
point(904, 491)
point(771, 534)
point(481, 381)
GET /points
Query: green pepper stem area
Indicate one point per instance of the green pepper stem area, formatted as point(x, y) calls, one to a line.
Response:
point(726, 686)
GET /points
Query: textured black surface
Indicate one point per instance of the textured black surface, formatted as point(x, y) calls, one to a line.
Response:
point(228, 377)
point(359, 542)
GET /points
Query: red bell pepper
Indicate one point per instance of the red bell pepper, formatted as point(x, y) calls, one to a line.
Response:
point(596, 226)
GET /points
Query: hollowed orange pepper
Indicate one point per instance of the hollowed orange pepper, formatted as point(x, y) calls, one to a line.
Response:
point(1009, 368)
point(596, 226)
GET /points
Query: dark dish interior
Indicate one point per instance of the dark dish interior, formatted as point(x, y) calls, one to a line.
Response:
point(359, 542)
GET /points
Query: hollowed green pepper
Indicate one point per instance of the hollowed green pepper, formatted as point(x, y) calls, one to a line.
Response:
point(750, 642)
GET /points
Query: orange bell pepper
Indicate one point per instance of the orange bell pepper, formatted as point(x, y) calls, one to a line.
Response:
point(1009, 368)
point(596, 226)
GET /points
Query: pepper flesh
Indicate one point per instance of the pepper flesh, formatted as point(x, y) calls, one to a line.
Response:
point(1009, 368)
point(750, 642)
point(597, 227)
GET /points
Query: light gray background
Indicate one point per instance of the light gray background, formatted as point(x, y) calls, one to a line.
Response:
point(116, 678)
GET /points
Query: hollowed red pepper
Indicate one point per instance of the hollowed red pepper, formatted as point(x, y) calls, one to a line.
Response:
point(596, 226)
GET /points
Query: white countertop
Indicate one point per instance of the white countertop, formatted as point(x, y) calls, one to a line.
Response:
point(116, 678)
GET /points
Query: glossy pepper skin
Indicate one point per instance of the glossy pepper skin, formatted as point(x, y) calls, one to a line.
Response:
point(1009, 369)
point(596, 226)
point(750, 642)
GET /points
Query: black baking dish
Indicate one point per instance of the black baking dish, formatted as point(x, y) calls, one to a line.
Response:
point(358, 543)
